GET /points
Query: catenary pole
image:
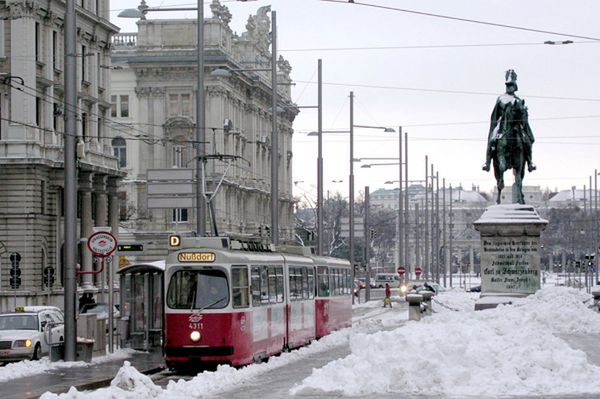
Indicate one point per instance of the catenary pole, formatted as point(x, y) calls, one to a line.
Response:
point(200, 125)
point(351, 190)
point(367, 234)
point(70, 200)
point(400, 239)
point(426, 229)
point(406, 209)
point(451, 226)
point(320, 159)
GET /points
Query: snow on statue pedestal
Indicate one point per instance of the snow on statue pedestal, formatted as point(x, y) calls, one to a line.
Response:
point(510, 253)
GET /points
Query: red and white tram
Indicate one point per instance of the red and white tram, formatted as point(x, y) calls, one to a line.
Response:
point(237, 302)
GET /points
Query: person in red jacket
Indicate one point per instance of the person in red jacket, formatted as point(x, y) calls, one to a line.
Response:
point(388, 296)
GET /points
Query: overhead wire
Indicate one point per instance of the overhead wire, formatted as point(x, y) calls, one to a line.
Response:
point(460, 19)
point(479, 93)
point(427, 46)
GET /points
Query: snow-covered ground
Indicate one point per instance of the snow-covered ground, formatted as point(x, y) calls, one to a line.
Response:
point(457, 352)
point(27, 368)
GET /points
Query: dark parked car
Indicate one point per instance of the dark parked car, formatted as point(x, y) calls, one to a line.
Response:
point(476, 288)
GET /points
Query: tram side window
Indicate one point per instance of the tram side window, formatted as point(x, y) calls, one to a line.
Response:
point(323, 281)
point(346, 280)
point(333, 281)
point(264, 285)
point(239, 284)
point(272, 285)
point(305, 290)
point(295, 289)
point(255, 284)
point(311, 283)
point(279, 274)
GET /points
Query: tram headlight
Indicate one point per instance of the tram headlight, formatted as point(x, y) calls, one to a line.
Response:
point(195, 336)
point(403, 289)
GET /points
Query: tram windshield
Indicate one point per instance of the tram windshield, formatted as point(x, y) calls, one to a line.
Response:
point(198, 289)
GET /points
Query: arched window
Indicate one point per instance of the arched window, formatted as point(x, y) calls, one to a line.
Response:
point(120, 151)
point(179, 155)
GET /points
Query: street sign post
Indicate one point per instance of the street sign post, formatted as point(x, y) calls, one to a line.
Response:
point(103, 244)
point(418, 272)
point(170, 188)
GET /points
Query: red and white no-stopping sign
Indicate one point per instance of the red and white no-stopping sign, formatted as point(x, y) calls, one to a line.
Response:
point(102, 244)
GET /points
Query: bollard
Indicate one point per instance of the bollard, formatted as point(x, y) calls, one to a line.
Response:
point(427, 295)
point(414, 306)
point(596, 295)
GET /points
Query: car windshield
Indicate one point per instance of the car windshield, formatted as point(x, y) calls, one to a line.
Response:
point(198, 289)
point(19, 322)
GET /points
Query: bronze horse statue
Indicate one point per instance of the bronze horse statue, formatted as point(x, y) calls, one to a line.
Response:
point(511, 146)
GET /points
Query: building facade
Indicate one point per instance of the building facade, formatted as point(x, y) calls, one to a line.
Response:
point(154, 96)
point(31, 143)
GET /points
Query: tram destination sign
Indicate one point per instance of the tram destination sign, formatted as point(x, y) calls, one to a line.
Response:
point(196, 257)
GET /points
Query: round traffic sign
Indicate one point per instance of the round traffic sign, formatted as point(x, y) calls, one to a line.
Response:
point(401, 270)
point(418, 271)
point(102, 243)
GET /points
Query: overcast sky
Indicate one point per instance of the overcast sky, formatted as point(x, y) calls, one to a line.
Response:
point(436, 77)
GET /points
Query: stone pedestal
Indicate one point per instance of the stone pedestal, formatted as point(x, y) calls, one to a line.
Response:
point(510, 250)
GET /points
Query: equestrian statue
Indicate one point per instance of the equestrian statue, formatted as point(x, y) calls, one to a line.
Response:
point(510, 138)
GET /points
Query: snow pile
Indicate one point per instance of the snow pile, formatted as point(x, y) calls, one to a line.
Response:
point(455, 299)
point(27, 368)
point(506, 351)
point(130, 384)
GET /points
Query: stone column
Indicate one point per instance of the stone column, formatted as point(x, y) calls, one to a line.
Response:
point(85, 191)
point(112, 185)
point(101, 217)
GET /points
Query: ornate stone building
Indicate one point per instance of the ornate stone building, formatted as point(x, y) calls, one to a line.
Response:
point(154, 94)
point(31, 142)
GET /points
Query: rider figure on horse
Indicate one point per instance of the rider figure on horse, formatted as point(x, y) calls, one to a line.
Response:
point(503, 103)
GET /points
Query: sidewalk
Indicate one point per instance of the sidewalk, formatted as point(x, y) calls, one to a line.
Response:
point(92, 376)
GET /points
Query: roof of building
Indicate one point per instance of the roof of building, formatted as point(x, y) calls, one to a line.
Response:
point(460, 196)
point(570, 195)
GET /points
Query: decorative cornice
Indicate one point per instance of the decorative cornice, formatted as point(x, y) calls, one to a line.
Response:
point(148, 90)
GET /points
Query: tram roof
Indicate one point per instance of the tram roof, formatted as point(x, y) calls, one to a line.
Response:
point(157, 266)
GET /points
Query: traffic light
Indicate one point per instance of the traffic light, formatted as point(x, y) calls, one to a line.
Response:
point(48, 276)
point(15, 271)
point(372, 234)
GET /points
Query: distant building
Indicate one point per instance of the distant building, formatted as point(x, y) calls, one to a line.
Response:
point(573, 198)
point(533, 195)
point(388, 198)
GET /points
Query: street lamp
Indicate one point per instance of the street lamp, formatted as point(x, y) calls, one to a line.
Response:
point(351, 182)
point(369, 165)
